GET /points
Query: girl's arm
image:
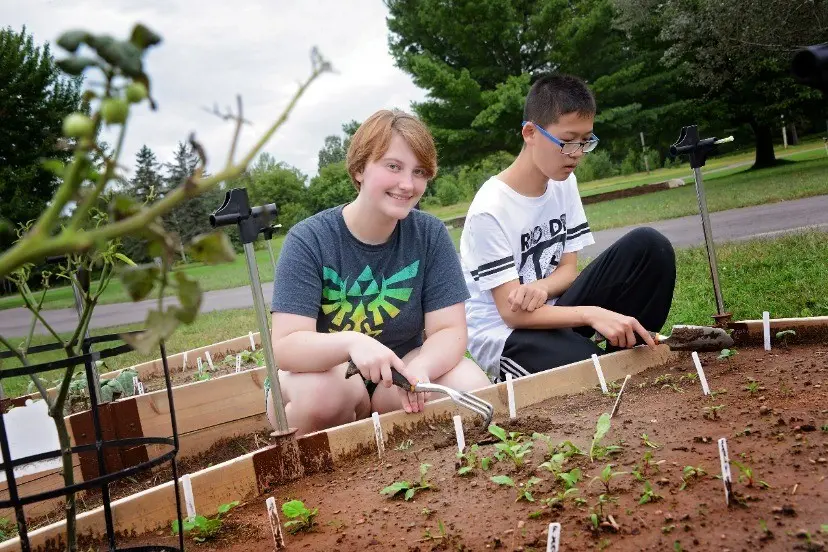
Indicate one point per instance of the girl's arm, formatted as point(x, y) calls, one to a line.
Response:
point(298, 347)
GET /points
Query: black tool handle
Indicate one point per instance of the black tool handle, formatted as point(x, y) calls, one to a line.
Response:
point(397, 378)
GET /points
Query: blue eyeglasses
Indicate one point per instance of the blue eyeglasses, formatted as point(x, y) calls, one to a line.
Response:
point(568, 148)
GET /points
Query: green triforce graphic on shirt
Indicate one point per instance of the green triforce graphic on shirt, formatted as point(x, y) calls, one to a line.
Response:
point(360, 307)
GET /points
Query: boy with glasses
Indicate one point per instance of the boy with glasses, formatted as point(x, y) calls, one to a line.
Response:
point(530, 310)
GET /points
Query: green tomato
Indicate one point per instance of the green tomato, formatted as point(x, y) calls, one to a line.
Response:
point(114, 110)
point(78, 125)
point(136, 92)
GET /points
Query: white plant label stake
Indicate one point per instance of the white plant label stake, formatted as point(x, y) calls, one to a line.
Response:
point(618, 399)
point(140, 388)
point(134, 385)
point(510, 393)
point(766, 329)
point(378, 435)
point(553, 540)
point(458, 430)
point(188, 496)
point(725, 460)
point(275, 524)
point(184, 363)
point(200, 367)
point(252, 342)
point(700, 372)
point(209, 360)
point(238, 363)
point(600, 373)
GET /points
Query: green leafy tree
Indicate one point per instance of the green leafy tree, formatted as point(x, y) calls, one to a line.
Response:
point(332, 186)
point(738, 54)
point(277, 182)
point(477, 59)
point(34, 101)
point(336, 147)
point(147, 180)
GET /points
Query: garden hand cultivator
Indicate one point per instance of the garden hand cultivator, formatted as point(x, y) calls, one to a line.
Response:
point(463, 399)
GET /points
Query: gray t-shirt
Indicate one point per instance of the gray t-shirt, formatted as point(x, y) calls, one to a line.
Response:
point(384, 290)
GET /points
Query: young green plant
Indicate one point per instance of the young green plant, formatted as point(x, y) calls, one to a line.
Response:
point(410, 488)
point(596, 450)
point(524, 490)
point(606, 476)
point(202, 528)
point(301, 518)
point(511, 445)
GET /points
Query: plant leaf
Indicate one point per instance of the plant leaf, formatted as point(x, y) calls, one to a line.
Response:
point(212, 248)
point(124, 259)
point(142, 37)
point(464, 470)
point(293, 508)
point(498, 432)
point(139, 281)
point(410, 493)
point(71, 40)
point(189, 295)
point(503, 480)
point(75, 65)
point(396, 487)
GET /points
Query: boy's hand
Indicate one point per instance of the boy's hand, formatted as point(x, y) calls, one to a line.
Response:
point(373, 359)
point(414, 373)
point(528, 297)
point(619, 329)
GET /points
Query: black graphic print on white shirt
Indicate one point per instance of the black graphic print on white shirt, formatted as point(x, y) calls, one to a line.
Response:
point(542, 248)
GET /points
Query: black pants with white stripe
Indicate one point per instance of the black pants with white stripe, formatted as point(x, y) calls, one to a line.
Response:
point(635, 276)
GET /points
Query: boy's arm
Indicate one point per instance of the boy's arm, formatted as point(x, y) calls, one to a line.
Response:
point(533, 295)
point(620, 330)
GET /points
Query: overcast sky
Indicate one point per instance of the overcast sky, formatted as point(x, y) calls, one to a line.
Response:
point(215, 49)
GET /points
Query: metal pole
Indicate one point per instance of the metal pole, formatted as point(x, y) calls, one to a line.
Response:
point(644, 149)
point(708, 240)
point(264, 332)
point(272, 257)
point(784, 133)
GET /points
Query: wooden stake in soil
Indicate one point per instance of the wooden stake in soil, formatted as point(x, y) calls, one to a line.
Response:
point(725, 461)
point(600, 373)
point(140, 388)
point(135, 385)
point(700, 372)
point(184, 363)
point(553, 540)
point(378, 435)
point(238, 363)
point(189, 500)
point(209, 360)
point(458, 430)
point(200, 367)
point(510, 393)
point(766, 329)
point(275, 524)
point(252, 342)
point(618, 399)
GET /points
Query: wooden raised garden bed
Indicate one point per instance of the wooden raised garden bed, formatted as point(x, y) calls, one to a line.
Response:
point(774, 416)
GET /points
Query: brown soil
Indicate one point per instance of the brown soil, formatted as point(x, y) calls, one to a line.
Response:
point(778, 429)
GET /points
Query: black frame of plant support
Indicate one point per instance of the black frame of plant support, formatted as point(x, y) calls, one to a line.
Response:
point(104, 478)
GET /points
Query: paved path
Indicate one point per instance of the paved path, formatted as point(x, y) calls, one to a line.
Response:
point(737, 224)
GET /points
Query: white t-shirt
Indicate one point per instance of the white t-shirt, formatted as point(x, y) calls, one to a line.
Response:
point(508, 236)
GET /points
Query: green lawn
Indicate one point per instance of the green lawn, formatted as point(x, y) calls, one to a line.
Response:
point(726, 191)
point(223, 276)
point(713, 169)
point(786, 276)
